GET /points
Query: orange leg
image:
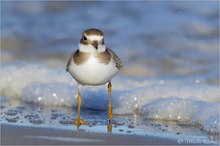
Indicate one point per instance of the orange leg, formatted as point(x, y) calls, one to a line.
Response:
point(109, 107)
point(78, 122)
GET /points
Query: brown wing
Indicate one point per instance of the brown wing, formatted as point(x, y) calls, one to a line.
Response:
point(104, 57)
point(78, 58)
point(69, 61)
point(117, 60)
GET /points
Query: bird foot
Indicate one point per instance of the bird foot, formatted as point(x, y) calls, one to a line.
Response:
point(78, 122)
point(109, 128)
point(109, 121)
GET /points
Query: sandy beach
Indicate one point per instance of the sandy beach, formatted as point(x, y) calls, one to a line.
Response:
point(27, 135)
point(20, 135)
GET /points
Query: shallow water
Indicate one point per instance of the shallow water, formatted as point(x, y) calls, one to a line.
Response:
point(171, 65)
point(33, 115)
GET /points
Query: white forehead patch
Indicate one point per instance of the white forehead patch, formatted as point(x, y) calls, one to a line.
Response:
point(95, 37)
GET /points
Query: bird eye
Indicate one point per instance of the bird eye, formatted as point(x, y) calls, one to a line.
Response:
point(84, 38)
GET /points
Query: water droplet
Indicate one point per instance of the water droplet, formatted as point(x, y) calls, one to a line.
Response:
point(39, 98)
point(135, 98)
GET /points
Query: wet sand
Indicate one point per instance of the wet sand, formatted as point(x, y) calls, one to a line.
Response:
point(21, 135)
point(31, 124)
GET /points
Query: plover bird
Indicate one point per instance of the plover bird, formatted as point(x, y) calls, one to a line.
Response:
point(93, 64)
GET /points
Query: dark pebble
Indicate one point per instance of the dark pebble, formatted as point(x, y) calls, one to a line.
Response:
point(11, 112)
point(130, 126)
point(65, 122)
point(13, 120)
point(53, 117)
point(36, 121)
point(120, 130)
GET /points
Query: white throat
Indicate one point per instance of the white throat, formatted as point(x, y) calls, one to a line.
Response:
point(90, 48)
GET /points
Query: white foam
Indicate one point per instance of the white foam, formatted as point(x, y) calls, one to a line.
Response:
point(189, 111)
point(180, 100)
point(14, 78)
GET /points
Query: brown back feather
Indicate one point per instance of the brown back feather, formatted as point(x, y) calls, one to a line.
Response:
point(117, 60)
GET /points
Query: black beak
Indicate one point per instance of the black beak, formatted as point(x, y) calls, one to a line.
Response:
point(95, 45)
